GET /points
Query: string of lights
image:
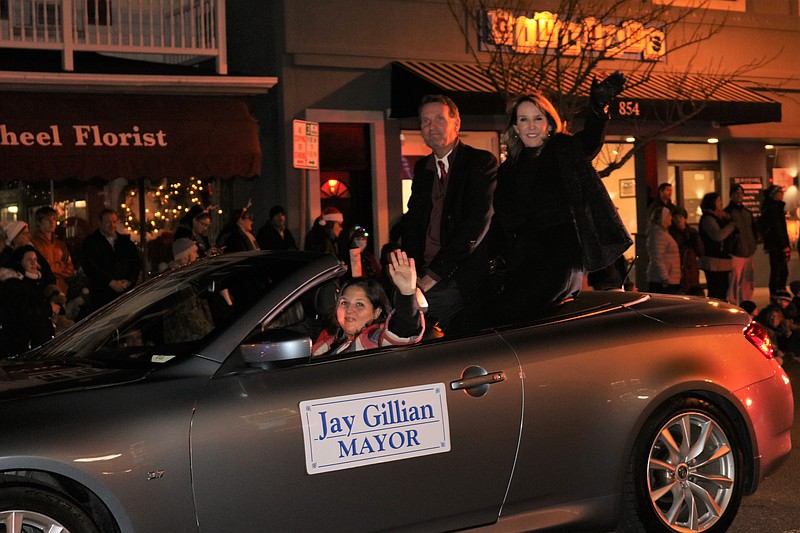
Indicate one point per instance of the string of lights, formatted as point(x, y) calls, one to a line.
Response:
point(165, 204)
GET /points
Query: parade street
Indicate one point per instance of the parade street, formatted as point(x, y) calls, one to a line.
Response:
point(773, 508)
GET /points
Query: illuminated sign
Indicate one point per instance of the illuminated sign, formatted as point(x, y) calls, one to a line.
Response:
point(546, 32)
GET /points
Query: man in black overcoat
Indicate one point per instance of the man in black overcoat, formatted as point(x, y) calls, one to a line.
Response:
point(110, 260)
point(449, 212)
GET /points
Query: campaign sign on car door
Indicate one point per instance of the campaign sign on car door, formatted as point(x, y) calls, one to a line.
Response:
point(375, 427)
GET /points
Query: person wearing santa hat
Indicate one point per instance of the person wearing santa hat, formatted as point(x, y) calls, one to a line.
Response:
point(324, 235)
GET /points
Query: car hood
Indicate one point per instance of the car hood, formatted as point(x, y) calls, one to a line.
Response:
point(20, 379)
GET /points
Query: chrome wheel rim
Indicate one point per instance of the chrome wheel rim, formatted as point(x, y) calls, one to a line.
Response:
point(691, 472)
point(29, 522)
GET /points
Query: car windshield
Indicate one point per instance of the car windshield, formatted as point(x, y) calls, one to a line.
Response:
point(172, 315)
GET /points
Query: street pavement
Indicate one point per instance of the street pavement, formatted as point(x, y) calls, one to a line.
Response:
point(774, 508)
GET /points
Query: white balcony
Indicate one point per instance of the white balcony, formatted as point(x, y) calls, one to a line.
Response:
point(167, 31)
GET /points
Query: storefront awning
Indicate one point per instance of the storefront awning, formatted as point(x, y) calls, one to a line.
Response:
point(653, 98)
point(49, 136)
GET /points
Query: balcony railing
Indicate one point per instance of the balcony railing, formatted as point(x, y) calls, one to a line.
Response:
point(168, 31)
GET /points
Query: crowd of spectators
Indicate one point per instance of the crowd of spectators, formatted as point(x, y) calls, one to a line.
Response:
point(723, 247)
point(480, 239)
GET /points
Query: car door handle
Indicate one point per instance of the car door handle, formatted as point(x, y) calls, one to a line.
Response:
point(475, 380)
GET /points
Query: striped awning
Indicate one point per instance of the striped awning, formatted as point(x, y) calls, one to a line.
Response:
point(653, 97)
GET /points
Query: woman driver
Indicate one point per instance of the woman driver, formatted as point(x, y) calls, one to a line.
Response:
point(364, 318)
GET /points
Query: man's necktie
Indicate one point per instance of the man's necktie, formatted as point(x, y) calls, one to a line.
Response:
point(442, 171)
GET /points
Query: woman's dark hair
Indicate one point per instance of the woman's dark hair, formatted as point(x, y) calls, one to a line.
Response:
point(275, 210)
point(709, 201)
point(679, 211)
point(358, 232)
point(195, 211)
point(375, 293)
point(236, 215)
point(772, 190)
point(513, 141)
point(18, 255)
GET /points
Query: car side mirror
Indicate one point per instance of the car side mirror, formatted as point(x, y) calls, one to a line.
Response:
point(276, 348)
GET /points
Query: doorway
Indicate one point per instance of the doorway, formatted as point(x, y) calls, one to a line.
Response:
point(345, 175)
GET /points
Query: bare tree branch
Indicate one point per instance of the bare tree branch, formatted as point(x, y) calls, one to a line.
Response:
point(579, 47)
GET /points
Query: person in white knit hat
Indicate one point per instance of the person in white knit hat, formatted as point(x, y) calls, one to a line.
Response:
point(184, 250)
point(17, 233)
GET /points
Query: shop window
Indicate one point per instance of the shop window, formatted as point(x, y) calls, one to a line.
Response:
point(694, 183)
point(9, 212)
point(692, 152)
point(782, 165)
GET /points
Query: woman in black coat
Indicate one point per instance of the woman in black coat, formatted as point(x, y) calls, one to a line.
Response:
point(27, 315)
point(553, 219)
point(236, 235)
point(717, 232)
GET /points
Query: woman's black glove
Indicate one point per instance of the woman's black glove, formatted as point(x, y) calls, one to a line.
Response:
point(602, 94)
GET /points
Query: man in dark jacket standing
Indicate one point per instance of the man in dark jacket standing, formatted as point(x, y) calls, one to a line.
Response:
point(449, 212)
point(772, 224)
point(741, 282)
point(110, 260)
point(274, 235)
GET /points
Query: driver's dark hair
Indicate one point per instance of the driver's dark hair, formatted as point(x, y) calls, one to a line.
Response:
point(375, 293)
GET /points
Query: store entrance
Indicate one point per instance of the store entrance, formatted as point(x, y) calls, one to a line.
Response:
point(346, 175)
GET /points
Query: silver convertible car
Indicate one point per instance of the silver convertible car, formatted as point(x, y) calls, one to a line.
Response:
point(192, 404)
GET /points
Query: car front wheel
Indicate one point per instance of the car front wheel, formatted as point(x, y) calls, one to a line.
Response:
point(37, 510)
point(685, 473)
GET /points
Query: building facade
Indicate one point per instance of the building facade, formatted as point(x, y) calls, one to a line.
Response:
point(123, 104)
point(359, 67)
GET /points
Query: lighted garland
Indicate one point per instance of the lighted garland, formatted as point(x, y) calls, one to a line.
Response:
point(164, 204)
